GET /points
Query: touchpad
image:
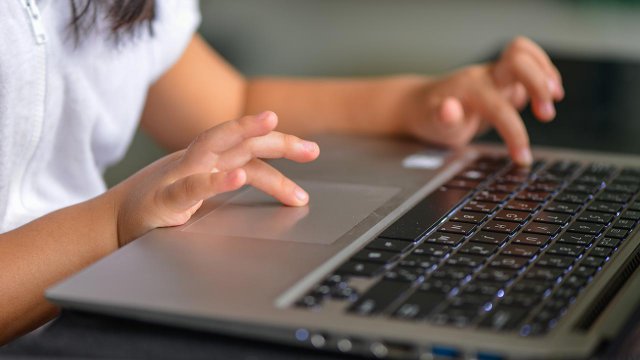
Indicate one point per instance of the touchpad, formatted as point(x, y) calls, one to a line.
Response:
point(333, 210)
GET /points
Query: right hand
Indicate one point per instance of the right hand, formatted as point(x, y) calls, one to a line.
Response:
point(224, 158)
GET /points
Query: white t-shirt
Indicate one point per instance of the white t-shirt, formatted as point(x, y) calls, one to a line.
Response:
point(66, 111)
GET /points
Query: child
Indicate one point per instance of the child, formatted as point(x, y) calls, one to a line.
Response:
point(76, 78)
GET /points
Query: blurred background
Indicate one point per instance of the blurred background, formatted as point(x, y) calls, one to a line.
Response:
point(596, 45)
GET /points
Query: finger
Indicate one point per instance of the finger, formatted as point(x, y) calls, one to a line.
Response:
point(451, 112)
point(529, 73)
point(495, 109)
point(266, 178)
point(540, 56)
point(188, 191)
point(517, 95)
point(272, 146)
point(203, 150)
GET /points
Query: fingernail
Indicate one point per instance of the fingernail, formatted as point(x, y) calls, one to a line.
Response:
point(264, 115)
point(524, 157)
point(555, 88)
point(301, 195)
point(548, 110)
point(309, 146)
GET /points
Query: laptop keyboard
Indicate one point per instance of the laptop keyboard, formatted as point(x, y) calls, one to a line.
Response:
point(498, 247)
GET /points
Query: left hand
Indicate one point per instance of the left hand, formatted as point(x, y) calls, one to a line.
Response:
point(451, 110)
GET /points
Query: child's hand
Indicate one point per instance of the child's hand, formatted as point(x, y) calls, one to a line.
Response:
point(458, 105)
point(221, 159)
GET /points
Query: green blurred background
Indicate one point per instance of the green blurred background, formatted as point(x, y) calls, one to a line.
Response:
point(373, 37)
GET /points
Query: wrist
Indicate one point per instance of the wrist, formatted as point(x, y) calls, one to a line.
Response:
point(404, 100)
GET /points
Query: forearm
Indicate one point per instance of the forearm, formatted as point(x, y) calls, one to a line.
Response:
point(45, 251)
point(305, 106)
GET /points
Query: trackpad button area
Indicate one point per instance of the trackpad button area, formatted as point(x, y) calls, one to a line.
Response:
point(333, 210)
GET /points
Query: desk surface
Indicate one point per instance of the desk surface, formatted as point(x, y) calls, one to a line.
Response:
point(600, 108)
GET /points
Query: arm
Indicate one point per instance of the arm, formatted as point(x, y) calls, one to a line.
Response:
point(201, 90)
point(38, 254)
point(165, 193)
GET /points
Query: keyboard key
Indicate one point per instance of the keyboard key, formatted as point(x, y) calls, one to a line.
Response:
point(504, 318)
point(543, 274)
point(531, 239)
point(576, 239)
point(605, 207)
point(563, 168)
point(528, 206)
point(509, 262)
point(609, 242)
point(378, 256)
point(585, 271)
point(469, 217)
point(419, 261)
point(623, 188)
point(495, 275)
point(520, 250)
point(547, 186)
point(488, 196)
point(512, 215)
point(613, 197)
point(439, 286)
point(379, 297)
point(450, 272)
point(531, 287)
point(552, 218)
point(626, 224)
point(566, 250)
point(397, 246)
point(585, 228)
point(456, 316)
point(575, 282)
point(519, 299)
point(403, 274)
point(593, 261)
point(601, 251)
point(631, 215)
point(583, 188)
point(537, 196)
point(489, 287)
point(419, 305)
point(359, 268)
point(542, 229)
point(560, 262)
point(457, 228)
point(480, 206)
point(501, 227)
point(635, 206)
point(412, 225)
point(595, 217)
point(573, 198)
point(617, 233)
point(431, 249)
point(565, 208)
point(489, 238)
point(446, 239)
point(506, 188)
point(478, 249)
point(472, 261)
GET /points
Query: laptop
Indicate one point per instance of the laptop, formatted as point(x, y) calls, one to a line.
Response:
point(404, 252)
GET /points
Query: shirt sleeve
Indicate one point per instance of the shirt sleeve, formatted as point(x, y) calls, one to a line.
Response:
point(176, 22)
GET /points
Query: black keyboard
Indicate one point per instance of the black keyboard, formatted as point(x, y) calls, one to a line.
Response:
point(499, 247)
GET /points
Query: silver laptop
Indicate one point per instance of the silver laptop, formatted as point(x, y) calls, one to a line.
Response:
point(403, 252)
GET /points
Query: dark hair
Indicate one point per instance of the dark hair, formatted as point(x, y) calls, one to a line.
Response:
point(124, 16)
